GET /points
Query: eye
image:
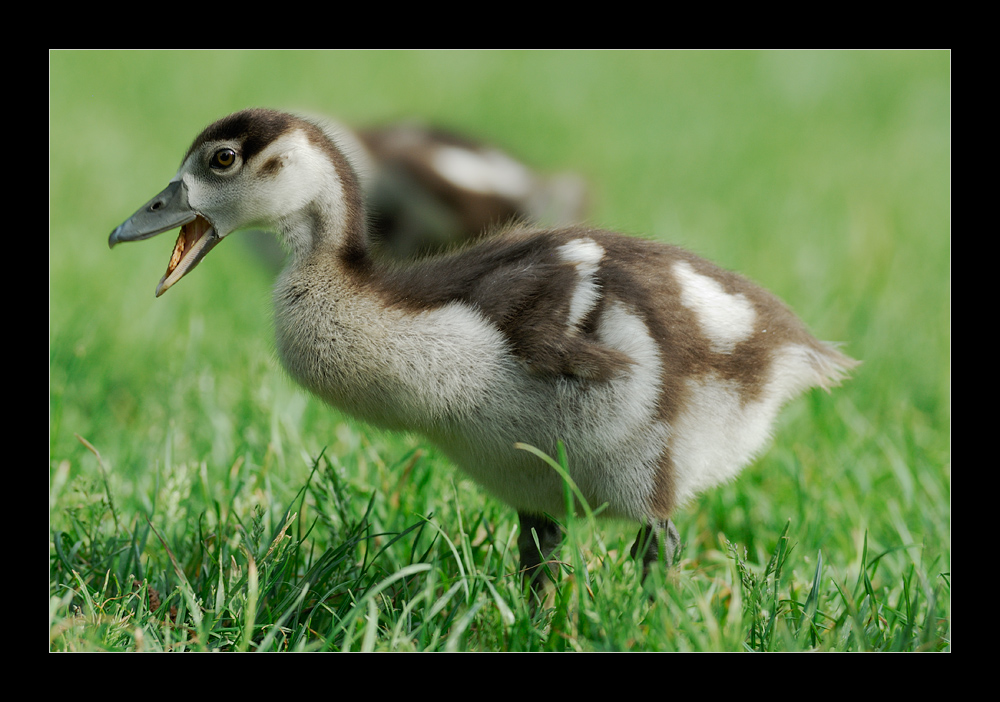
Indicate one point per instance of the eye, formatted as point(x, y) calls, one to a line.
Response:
point(222, 159)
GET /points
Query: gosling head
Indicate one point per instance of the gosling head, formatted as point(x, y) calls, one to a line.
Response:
point(255, 168)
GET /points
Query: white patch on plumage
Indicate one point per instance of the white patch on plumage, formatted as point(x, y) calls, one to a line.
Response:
point(625, 425)
point(445, 360)
point(724, 319)
point(586, 255)
point(486, 172)
point(717, 433)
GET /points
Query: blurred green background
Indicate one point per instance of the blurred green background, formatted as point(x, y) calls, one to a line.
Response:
point(824, 176)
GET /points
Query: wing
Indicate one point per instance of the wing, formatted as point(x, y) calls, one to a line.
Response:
point(542, 290)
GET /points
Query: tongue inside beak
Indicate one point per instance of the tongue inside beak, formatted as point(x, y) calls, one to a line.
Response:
point(196, 239)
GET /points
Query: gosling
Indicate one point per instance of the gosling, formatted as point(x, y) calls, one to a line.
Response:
point(659, 372)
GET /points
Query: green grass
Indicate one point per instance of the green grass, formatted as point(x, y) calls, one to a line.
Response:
point(200, 501)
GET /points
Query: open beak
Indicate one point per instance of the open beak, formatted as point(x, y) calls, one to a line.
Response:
point(166, 211)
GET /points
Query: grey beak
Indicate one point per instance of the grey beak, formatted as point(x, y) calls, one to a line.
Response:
point(166, 211)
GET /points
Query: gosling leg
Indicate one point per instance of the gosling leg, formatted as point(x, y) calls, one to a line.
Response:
point(655, 542)
point(534, 557)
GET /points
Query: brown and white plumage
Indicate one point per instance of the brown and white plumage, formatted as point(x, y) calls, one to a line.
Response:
point(660, 372)
point(428, 189)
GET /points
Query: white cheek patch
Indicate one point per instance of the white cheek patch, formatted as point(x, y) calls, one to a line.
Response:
point(489, 173)
point(724, 318)
point(586, 255)
point(306, 177)
point(301, 178)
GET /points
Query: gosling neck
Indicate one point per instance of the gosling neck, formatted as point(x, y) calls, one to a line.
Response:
point(333, 222)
